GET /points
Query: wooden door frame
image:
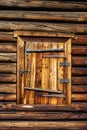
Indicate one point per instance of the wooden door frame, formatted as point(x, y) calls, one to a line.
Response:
point(19, 35)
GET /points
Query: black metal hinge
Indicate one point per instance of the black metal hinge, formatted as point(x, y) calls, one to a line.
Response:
point(65, 64)
point(64, 80)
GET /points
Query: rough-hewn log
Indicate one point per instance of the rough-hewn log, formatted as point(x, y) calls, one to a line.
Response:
point(77, 71)
point(43, 15)
point(79, 80)
point(77, 50)
point(7, 78)
point(79, 61)
point(7, 67)
point(42, 116)
point(8, 48)
point(79, 88)
point(7, 36)
point(80, 40)
point(45, 125)
point(79, 97)
point(50, 108)
point(43, 26)
point(45, 4)
point(10, 57)
point(7, 97)
point(8, 88)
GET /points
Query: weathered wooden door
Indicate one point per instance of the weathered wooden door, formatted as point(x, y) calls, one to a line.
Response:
point(44, 66)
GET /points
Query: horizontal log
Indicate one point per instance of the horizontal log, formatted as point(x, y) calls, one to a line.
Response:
point(7, 36)
point(79, 80)
point(10, 57)
point(8, 88)
point(43, 26)
point(7, 78)
point(77, 50)
point(79, 71)
point(43, 15)
point(79, 97)
point(8, 48)
point(8, 68)
point(80, 40)
point(45, 125)
point(7, 97)
point(42, 108)
point(79, 88)
point(45, 4)
point(79, 61)
point(42, 116)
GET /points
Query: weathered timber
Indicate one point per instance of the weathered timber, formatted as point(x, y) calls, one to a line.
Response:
point(77, 50)
point(79, 61)
point(43, 26)
point(7, 97)
point(43, 34)
point(7, 36)
point(78, 71)
point(79, 80)
point(8, 88)
point(42, 116)
point(45, 4)
point(79, 97)
point(79, 88)
point(10, 57)
point(40, 125)
point(44, 15)
point(7, 67)
point(72, 107)
point(7, 78)
point(80, 40)
point(8, 48)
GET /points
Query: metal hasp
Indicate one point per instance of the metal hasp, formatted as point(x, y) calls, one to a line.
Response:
point(64, 80)
point(23, 71)
point(44, 50)
point(66, 64)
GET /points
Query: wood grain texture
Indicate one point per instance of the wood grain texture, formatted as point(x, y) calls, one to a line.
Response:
point(10, 57)
point(43, 26)
point(7, 78)
point(79, 80)
point(7, 97)
point(8, 88)
point(48, 125)
point(7, 36)
point(8, 68)
point(77, 50)
point(78, 71)
point(79, 88)
point(45, 4)
point(79, 61)
point(8, 48)
point(44, 15)
point(44, 108)
point(79, 97)
point(42, 116)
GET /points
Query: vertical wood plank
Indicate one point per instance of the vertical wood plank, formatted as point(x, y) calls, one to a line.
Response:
point(60, 72)
point(53, 74)
point(68, 70)
point(20, 66)
point(27, 74)
point(33, 74)
point(45, 73)
point(38, 73)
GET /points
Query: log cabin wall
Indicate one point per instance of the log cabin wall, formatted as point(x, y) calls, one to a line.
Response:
point(56, 16)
